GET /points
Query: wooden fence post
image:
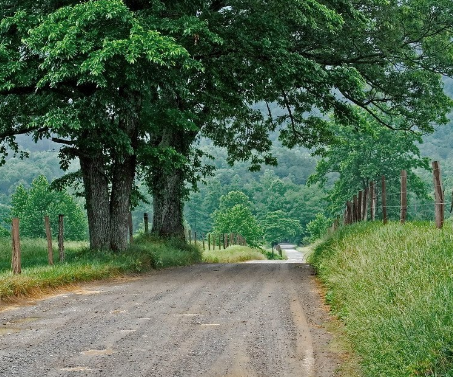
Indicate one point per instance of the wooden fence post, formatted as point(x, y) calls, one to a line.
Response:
point(195, 238)
point(350, 208)
point(355, 218)
point(451, 207)
point(15, 260)
point(49, 240)
point(61, 237)
point(189, 232)
point(202, 238)
point(224, 241)
point(146, 220)
point(336, 223)
point(403, 211)
point(438, 194)
point(359, 205)
point(365, 204)
point(209, 241)
point(384, 202)
point(131, 228)
point(373, 201)
point(220, 241)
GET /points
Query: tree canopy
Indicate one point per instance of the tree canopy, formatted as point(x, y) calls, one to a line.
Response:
point(235, 216)
point(132, 84)
point(31, 205)
point(364, 153)
point(278, 227)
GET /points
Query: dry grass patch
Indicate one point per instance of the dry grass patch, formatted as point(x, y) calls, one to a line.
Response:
point(232, 254)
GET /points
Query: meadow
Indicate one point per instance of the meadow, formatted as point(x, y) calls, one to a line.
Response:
point(82, 264)
point(392, 287)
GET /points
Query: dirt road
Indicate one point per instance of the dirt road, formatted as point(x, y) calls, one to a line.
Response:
point(205, 320)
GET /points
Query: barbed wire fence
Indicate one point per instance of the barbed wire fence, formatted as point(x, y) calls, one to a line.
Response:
point(213, 240)
point(381, 201)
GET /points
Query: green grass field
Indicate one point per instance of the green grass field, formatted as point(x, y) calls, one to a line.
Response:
point(82, 264)
point(392, 286)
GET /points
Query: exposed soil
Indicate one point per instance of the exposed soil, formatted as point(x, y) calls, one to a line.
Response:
point(263, 319)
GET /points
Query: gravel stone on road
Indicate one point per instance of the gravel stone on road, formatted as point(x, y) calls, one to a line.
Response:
point(257, 320)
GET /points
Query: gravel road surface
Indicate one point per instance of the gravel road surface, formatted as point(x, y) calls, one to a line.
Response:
point(212, 320)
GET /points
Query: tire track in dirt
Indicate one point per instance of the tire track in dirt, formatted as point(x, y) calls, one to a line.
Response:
point(257, 320)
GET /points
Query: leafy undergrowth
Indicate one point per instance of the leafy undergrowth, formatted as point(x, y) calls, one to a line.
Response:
point(392, 286)
point(81, 264)
point(232, 254)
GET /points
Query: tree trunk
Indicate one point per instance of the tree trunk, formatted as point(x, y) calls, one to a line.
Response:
point(123, 174)
point(97, 201)
point(108, 175)
point(120, 205)
point(167, 184)
point(168, 202)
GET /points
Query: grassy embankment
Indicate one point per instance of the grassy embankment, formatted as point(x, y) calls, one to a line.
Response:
point(83, 265)
point(392, 287)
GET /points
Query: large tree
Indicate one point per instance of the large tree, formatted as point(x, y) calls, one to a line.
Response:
point(84, 75)
point(235, 216)
point(278, 227)
point(126, 75)
point(305, 59)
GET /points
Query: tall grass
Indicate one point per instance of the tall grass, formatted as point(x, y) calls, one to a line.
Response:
point(232, 254)
point(82, 264)
point(393, 288)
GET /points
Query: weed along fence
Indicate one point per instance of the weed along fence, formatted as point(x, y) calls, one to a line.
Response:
point(215, 240)
point(379, 200)
point(16, 251)
point(209, 240)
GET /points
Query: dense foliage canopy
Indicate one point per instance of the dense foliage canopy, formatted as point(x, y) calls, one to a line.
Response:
point(365, 152)
point(128, 86)
point(33, 204)
point(235, 216)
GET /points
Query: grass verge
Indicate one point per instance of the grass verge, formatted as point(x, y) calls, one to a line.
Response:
point(392, 287)
point(232, 254)
point(81, 264)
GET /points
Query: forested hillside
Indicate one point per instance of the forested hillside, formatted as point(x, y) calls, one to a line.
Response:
point(282, 187)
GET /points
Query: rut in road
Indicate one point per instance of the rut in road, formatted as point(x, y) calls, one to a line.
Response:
point(203, 320)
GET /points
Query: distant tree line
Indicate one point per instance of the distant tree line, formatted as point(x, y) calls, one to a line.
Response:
point(129, 86)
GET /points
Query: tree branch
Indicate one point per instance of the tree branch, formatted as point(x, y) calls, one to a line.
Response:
point(62, 141)
point(288, 107)
point(21, 131)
